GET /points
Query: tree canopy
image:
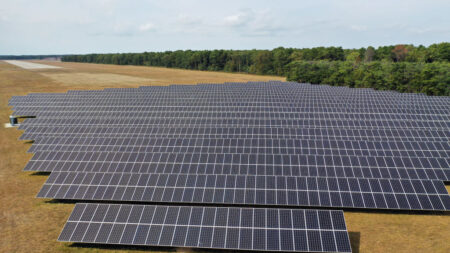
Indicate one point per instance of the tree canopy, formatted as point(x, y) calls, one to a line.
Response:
point(404, 68)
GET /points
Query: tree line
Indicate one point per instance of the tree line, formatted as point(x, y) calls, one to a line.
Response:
point(405, 68)
point(29, 57)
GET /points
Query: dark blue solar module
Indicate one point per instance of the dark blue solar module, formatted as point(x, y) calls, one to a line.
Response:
point(260, 229)
point(249, 190)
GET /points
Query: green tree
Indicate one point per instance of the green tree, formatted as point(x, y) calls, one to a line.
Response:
point(263, 62)
point(280, 60)
point(440, 52)
point(353, 57)
point(369, 54)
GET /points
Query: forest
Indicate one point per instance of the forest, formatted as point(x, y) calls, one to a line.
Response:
point(404, 68)
point(29, 57)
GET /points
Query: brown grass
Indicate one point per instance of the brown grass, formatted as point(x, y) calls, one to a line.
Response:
point(28, 224)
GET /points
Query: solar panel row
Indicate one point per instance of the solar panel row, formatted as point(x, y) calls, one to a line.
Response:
point(209, 227)
point(238, 132)
point(237, 145)
point(251, 164)
point(227, 122)
point(249, 190)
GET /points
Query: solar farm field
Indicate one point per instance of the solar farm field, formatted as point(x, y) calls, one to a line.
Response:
point(33, 224)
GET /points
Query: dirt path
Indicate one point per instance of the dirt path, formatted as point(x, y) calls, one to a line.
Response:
point(31, 65)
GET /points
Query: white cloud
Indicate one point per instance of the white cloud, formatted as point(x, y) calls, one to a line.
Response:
point(255, 23)
point(358, 28)
point(237, 19)
point(147, 27)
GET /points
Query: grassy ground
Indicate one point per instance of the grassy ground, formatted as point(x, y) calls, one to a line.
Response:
point(28, 224)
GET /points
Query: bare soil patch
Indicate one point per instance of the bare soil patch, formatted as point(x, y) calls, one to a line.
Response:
point(30, 65)
point(73, 79)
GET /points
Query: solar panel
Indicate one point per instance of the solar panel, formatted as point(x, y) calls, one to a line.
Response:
point(252, 119)
point(237, 119)
point(238, 132)
point(204, 160)
point(249, 190)
point(261, 229)
point(265, 145)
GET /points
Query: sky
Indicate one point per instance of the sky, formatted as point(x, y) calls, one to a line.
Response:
point(112, 26)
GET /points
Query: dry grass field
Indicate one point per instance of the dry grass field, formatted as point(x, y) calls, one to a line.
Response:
point(28, 224)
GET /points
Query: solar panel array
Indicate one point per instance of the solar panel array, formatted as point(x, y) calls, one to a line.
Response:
point(256, 144)
point(261, 229)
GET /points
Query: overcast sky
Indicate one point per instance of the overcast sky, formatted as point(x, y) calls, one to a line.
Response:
point(100, 26)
